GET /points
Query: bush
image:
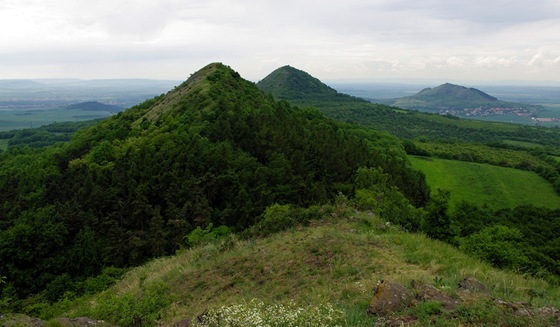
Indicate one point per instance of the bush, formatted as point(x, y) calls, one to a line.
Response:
point(202, 236)
point(499, 245)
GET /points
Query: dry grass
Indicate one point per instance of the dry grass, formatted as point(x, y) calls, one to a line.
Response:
point(334, 262)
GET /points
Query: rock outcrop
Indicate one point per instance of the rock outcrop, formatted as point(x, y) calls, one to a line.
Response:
point(389, 297)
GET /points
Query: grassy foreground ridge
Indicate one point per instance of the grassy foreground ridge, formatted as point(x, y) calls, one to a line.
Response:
point(327, 270)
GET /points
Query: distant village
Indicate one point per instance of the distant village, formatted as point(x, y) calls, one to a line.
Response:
point(485, 111)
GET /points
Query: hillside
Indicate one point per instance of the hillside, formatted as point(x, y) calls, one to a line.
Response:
point(289, 83)
point(216, 162)
point(461, 101)
point(322, 275)
point(94, 106)
point(214, 151)
point(401, 123)
point(484, 184)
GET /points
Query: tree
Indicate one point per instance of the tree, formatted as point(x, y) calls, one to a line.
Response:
point(499, 245)
point(437, 222)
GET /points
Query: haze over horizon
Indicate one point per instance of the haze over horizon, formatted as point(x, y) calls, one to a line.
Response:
point(358, 40)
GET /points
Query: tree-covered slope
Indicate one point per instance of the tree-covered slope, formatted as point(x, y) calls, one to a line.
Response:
point(456, 133)
point(401, 123)
point(215, 150)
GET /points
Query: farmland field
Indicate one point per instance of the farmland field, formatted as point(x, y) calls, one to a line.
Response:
point(11, 119)
point(498, 187)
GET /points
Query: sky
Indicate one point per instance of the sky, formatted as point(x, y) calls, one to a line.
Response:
point(350, 40)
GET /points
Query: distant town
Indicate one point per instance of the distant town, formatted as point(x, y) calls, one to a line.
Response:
point(485, 112)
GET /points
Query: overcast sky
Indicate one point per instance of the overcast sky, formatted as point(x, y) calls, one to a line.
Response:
point(447, 40)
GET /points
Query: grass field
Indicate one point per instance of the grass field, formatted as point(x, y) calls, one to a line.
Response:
point(498, 187)
point(11, 119)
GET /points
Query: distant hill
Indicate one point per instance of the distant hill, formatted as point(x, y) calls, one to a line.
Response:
point(461, 101)
point(94, 106)
point(289, 83)
point(301, 89)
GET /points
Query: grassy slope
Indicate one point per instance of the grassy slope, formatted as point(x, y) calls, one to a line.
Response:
point(498, 187)
point(335, 261)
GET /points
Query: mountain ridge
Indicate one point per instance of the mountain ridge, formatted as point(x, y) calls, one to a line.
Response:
point(214, 151)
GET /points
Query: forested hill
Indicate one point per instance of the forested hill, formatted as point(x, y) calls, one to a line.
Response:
point(95, 106)
point(289, 84)
point(215, 150)
point(458, 98)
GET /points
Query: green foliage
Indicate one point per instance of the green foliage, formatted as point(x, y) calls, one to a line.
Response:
point(374, 193)
point(276, 218)
point(210, 233)
point(437, 222)
point(144, 309)
point(45, 135)
point(498, 245)
point(215, 151)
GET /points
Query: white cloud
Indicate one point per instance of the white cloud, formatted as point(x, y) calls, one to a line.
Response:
point(500, 39)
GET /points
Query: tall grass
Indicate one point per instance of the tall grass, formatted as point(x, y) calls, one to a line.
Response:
point(331, 266)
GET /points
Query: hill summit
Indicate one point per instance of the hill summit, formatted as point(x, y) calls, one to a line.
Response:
point(289, 83)
point(449, 91)
point(214, 151)
point(460, 101)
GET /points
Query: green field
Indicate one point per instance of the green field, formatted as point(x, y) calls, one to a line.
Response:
point(11, 119)
point(522, 144)
point(498, 187)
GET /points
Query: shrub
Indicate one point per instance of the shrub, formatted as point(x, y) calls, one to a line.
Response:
point(202, 236)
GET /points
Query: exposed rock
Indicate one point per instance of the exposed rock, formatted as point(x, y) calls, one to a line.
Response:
point(522, 309)
point(13, 320)
point(16, 319)
point(388, 297)
point(189, 321)
point(426, 292)
point(183, 323)
point(473, 285)
point(471, 290)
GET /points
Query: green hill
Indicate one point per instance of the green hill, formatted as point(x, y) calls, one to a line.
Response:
point(220, 168)
point(213, 151)
point(301, 89)
point(289, 83)
point(483, 184)
point(461, 101)
point(322, 275)
point(94, 106)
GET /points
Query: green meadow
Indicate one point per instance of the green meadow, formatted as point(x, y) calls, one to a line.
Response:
point(498, 187)
point(11, 119)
